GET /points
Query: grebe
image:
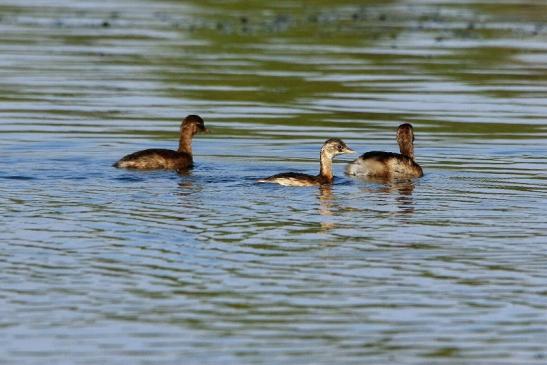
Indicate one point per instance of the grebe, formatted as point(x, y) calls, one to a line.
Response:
point(388, 164)
point(331, 148)
point(157, 158)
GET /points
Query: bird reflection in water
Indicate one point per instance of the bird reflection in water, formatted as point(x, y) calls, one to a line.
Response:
point(186, 183)
point(326, 202)
point(188, 187)
point(404, 188)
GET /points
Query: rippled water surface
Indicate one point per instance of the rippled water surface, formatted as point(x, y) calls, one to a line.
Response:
point(106, 266)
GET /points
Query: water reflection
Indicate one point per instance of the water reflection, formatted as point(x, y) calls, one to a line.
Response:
point(186, 184)
point(326, 207)
point(401, 188)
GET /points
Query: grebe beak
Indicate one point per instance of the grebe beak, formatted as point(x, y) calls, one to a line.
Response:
point(347, 150)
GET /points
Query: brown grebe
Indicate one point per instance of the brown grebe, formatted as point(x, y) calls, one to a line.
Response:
point(388, 164)
point(331, 148)
point(157, 158)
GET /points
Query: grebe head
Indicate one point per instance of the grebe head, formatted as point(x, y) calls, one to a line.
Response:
point(335, 146)
point(405, 139)
point(405, 133)
point(193, 124)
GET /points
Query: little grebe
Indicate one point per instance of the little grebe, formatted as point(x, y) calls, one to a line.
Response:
point(388, 164)
point(331, 148)
point(157, 158)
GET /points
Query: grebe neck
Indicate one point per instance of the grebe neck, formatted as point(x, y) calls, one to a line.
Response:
point(407, 149)
point(405, 140)
point(185, 141)
point(326, 166)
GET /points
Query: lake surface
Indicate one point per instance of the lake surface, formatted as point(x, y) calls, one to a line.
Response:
point(106, 266)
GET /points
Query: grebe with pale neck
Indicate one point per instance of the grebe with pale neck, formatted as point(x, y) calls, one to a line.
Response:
point(331, 148)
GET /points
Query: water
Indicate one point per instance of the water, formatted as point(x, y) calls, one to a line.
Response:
point(99, 265)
